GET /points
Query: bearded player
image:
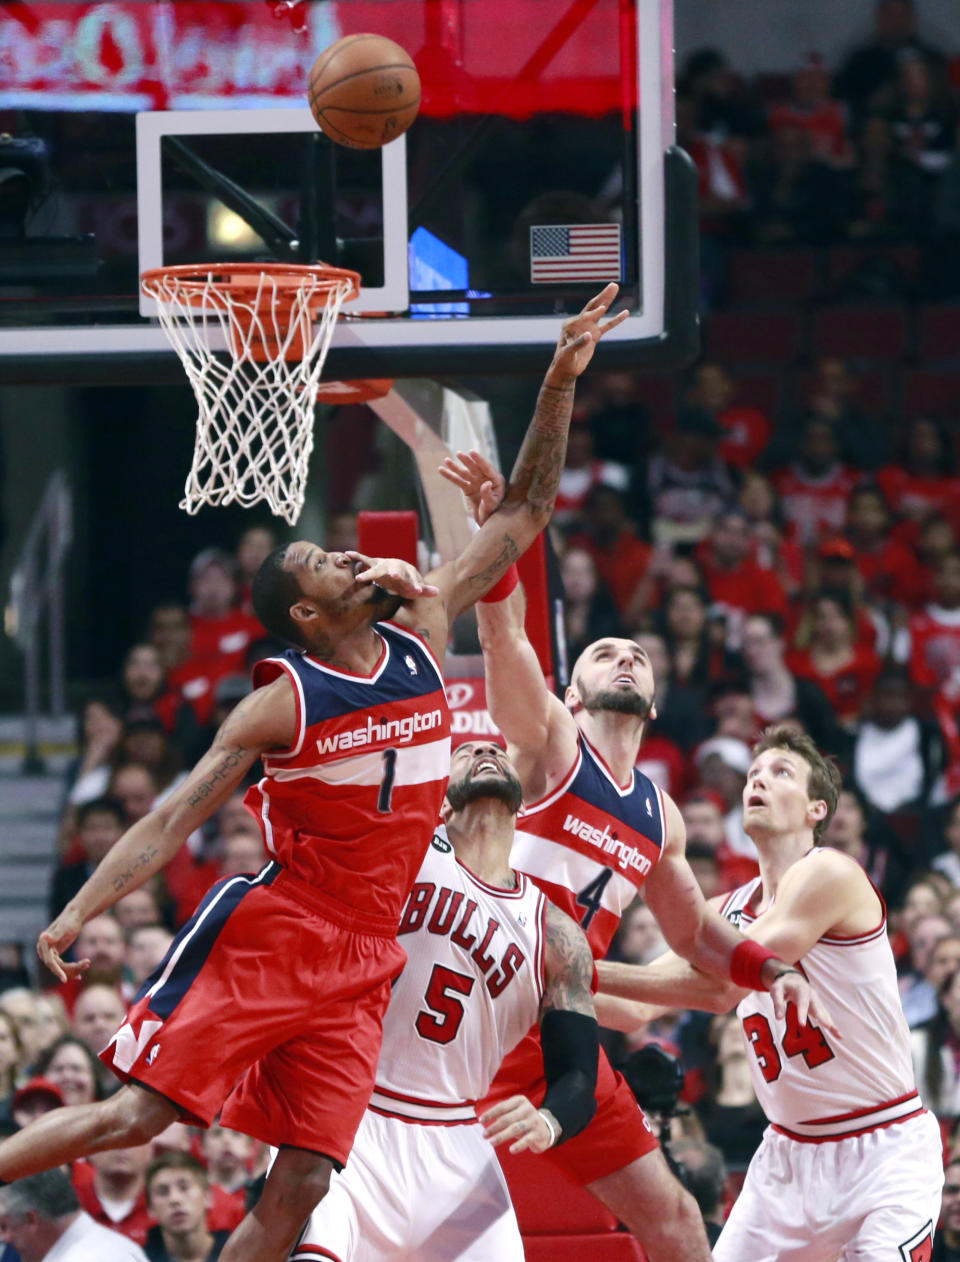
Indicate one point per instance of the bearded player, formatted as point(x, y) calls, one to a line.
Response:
point(593, 831)
point(487, 957)
point(274, 993)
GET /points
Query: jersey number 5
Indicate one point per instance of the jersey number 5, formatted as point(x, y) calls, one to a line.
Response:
point(807, 1041)
point(443, 1027)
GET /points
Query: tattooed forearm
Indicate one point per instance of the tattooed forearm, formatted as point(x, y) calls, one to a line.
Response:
point(568, 966)
point(536, 474)
point(486, 578)
point(143, 860)
point(231, 759)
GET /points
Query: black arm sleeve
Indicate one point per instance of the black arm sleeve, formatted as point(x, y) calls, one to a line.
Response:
point(571, 1048)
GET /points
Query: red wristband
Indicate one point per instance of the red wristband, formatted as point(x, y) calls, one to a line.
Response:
point(503, 586)
point(746, 963)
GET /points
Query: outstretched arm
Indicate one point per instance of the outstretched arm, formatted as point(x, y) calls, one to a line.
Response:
point(568, 1029)
point(532, 489)
point(267, 719)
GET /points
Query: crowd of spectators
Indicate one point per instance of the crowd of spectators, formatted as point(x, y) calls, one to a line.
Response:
point(802, 566)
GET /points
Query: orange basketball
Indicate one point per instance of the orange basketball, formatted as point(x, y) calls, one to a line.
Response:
point(364, 91)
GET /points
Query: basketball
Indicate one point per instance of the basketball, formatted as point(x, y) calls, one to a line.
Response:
point(364, 91)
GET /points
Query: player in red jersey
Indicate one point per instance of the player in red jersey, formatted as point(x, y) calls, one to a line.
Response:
point(594, 830)
point(273, 994)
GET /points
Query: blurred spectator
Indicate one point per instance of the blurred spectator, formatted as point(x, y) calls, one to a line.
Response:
point(43, 1220)
point(936, 539)
point(687, 483)
point(139, 907)
point(878, 204)
point(776, 693)
point(23, 1006)
point(703, 1173)
point(146, 698)
point(771, 549)
point(136, 788)
point(832, 658)
point(253, 547)
point(36, 1097)
point(815, 487)
point(582, 471)
point(178, 1195)
point(868, 75)
point(100, 735)
point(101, 942)
point(638, 939)
point(681, 711)
point(735, 581)
point(111, 1188)
point(924, 480)
point(11, 1062)
point(918, 988)
point(865, 839)
point(703, 816)
point(934, 632)
point(747, 428)
point(98, 1014)
point(170, 633)
point(889, 570)
point(794, 190)
point(732, 1118)
point(722, 200)
point(241, 852)
point(233, 816)
point(100, 824)
point(219, 629)
point(342, 532)
point(146, 947)
point(832, 571)
point(946, 1247)
point(896, 756)
point(948, 862)
point(724, 109)
point(833, 396)
point(695, 659)
point(589, 612)
point(706, 870)
point(812, 109)
point(923, 124)
point(619, 556)
point(722, 762)
point(71, 1066)
point(932, 1047)
point(227, 1155)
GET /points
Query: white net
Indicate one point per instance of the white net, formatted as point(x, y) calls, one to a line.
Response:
point(254, 357)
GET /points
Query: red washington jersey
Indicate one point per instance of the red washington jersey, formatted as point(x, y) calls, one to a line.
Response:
point(591, 843)
point(350, 808)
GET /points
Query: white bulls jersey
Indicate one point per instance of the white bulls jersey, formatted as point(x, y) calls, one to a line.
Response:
point(811, 1085)
point(471, 989)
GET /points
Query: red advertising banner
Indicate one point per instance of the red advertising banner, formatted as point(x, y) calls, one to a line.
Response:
point(469, 718)
point(514, 57)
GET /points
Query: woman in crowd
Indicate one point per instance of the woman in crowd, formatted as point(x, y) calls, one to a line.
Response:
point(831, 656)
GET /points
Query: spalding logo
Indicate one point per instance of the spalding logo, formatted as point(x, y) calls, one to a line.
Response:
point(443, 846)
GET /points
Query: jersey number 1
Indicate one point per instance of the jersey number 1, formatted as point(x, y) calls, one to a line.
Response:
point(385, 796)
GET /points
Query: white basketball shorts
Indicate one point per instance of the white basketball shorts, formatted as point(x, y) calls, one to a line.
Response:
point(873, 1197)
point(414, 1193)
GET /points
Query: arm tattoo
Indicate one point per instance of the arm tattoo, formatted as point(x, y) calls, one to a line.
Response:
point(231, 758)
point(143, 860)
point(486, 578)
point(568, 966)
point(536, 474)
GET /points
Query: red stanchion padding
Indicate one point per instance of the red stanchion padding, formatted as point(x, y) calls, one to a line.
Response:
point(533, 575)
point(388, 534)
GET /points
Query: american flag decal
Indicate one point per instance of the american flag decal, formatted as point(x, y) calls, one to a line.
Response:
point(579, 251)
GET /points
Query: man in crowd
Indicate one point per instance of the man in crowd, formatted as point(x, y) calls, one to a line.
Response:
point(178, 1194)
point(41, 1218)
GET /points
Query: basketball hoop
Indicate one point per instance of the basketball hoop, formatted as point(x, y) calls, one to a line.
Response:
point(252, 338)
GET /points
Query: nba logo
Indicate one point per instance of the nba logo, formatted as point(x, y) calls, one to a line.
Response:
point(153, 1053)
point(522, 918)
point(649, 808)
point(411, 665)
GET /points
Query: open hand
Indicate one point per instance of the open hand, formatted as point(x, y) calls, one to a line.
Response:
point(793, 987)
point(516, 1119)
point(581, 333)
point(482, 485)
point(58, 938)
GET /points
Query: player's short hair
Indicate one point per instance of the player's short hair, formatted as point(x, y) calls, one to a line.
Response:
point(49, 1194)
point(273, 591)
point(176, 1161)
point(104, 805)
point(824, 781)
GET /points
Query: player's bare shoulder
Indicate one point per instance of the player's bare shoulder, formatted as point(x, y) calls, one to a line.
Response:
point(265, 720)
point(829, 872)
point(568, 966)
point(427, 617)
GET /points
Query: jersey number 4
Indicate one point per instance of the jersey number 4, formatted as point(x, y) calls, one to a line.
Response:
point(591, 897)
point(444, 996)
point(807, 1041)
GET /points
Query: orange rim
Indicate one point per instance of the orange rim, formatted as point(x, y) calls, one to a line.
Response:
point(341, 393)
point(243, 279)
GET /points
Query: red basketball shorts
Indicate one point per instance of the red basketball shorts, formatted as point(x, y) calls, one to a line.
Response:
point(617, 1134)
point(264, 1000)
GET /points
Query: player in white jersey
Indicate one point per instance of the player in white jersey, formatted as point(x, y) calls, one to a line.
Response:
point(850, 1166)
point(487, 957)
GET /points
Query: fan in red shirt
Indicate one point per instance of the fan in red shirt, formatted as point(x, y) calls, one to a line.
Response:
point(748, 428)
point(812, 110)
point(889, 569)
point(844, 669)
point(816, 486)
point(935, 631)
point(111, 1187)
point(227, 1155)
point(772, 550)
point(620, 557)
point(220, 628)
point(924, 480)
point(733, 578)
